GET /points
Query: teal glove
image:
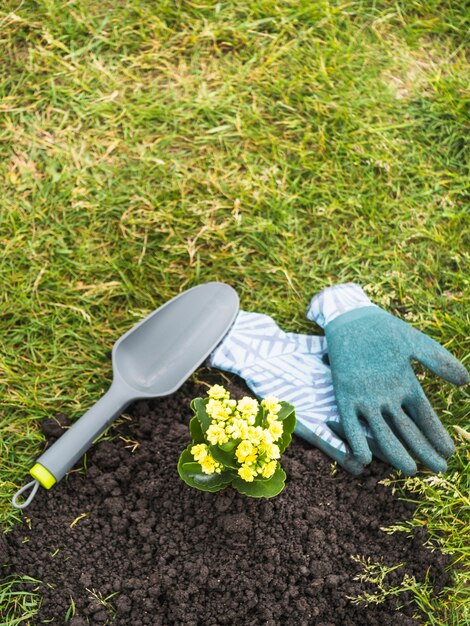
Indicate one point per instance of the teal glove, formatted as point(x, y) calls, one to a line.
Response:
point(370, 353)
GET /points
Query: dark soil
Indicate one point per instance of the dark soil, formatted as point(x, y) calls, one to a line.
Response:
point(176, 556)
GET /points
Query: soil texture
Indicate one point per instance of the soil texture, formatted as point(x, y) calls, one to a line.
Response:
point(132, 545)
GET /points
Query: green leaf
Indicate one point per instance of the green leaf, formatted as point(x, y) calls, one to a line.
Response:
point(186, 456)
point(260, 416)
point(198, 405)
point(288, 425)
point(286, 410)
point(229, 446)
point(196, 431)
point(195, 477)
point(223, 456)
point(262, 488)
point(191, 473)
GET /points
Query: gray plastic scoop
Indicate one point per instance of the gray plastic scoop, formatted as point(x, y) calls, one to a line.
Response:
point(152, 359)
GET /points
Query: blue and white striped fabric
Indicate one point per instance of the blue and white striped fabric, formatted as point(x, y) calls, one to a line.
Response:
point(292, 367)
point(336, 300)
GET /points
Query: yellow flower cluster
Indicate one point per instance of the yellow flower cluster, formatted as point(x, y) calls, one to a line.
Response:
point(234, 422)
point(202, 455)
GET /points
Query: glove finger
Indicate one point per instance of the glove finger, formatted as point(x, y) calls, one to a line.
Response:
point(439, 360)
point(392, 449)
point(419, 408)
point(417, 442)
point(344, 458)
point(338, 429)
point(354, 433)
point(352, 465)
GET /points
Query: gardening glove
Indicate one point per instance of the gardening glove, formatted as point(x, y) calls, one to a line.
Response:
point(292, 368)
point(370, 353)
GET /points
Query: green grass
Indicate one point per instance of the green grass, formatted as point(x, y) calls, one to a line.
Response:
point(277, 145)
point(443, 506)
point(18, 606)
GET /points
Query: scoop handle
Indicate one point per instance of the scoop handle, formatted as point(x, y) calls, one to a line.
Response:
point(70, 447)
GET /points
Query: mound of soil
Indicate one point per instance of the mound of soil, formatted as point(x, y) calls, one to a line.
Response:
point(134, 546)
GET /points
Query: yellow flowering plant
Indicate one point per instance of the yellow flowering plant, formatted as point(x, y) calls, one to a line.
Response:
point(237, 443)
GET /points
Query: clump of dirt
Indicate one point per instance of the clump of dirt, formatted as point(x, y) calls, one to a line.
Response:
point(131, 544)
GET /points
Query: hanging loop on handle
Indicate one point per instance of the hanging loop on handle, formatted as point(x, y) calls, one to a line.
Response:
point(34, 486)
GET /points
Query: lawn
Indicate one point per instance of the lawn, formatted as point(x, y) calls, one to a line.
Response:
point(277, 145)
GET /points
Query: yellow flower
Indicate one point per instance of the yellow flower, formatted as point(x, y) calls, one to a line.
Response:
point(250, 418)
point(221, 413)
point(276, 429)
point(216, 435)
point(272, 451)
point(267, 437)
point(217, 392)
point(208, 465)
point(268, 469)
point(244, 449)
point(247, 473)
point(263, 448)
point(243, 429)
point(248, 406)
point(216, 410)
point(233, 430)
point(271, 417)
point(199, 452)
point(255, 434)
point(251, 458)
point(246, 453)
point(237, 429)
point(271, 404)
point(212, 405)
